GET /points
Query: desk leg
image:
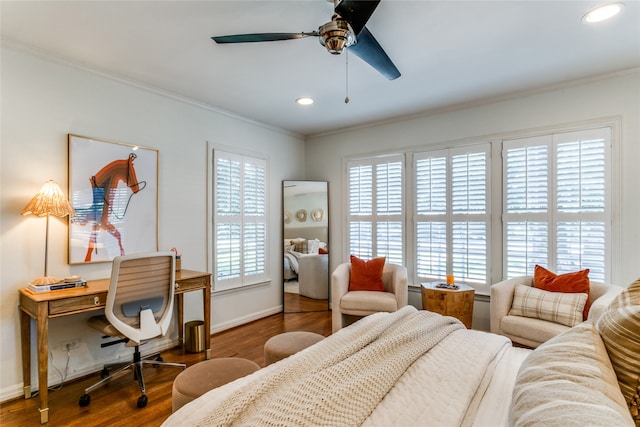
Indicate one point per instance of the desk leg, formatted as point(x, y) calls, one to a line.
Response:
point(206, 294)
point(25, 337)
point(43, 369)
point(180, 298)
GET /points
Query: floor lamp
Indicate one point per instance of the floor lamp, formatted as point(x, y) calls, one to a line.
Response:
point(48, 201)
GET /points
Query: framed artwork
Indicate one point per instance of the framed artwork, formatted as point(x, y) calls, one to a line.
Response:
point(113, 188)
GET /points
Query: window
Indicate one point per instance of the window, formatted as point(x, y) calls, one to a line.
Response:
point(556, 198)
point(556, 209)
point(452, 214)
point(376, 206)
point(239, 220)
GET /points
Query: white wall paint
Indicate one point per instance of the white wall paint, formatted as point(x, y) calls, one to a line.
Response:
point(615, 97)
point(42, 101)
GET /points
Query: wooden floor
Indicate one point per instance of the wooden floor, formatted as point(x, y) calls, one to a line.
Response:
point(115, 405)
point(294, 303)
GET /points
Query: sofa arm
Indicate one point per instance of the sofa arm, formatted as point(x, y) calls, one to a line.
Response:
point(599, 305)
point(502, 298)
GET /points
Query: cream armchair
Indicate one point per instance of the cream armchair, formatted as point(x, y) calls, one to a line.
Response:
point(313, 276)
point(533, 332)
point(348, 306)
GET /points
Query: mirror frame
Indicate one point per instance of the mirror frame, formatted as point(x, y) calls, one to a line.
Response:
point(298, 216)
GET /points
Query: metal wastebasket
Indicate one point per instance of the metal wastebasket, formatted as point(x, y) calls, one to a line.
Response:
point(194, 336)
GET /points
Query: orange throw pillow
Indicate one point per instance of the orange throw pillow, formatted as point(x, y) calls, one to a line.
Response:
point(576, 282)
point(366, 275)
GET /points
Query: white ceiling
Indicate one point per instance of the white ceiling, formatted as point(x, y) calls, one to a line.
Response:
point(450, 53)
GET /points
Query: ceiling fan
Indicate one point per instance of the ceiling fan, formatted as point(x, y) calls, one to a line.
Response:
point(345, 30)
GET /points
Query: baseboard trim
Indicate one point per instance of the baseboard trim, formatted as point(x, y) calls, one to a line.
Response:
point(245, 319)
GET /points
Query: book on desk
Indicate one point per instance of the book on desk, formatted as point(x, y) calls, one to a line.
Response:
point(36, 289)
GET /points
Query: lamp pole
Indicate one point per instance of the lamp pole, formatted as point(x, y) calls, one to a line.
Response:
point(46, 247)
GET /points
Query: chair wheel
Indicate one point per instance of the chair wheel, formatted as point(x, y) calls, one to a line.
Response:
point(104, 373)
point(85, 399)
point(142, 401)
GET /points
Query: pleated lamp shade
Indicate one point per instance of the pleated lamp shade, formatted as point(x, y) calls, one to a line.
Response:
point(49, 201)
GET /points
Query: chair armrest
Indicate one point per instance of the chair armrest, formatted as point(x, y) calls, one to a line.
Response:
point(502, 298)
point(399, 284)
point(312, 265)
point(339, 287)
point(339, 284)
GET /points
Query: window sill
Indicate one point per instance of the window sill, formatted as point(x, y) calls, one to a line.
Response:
point(239, 288)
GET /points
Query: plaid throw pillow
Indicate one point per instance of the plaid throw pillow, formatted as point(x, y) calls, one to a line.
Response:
point(301, 245)
point(558, 307)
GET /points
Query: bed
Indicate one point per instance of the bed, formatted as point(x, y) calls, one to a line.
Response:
point(415, 367)
point(387, 369)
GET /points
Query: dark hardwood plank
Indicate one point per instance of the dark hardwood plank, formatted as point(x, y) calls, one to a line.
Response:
point(115, 404)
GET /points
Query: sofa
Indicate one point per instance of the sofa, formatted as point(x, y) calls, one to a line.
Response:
point(587, 375)
point(530, 331)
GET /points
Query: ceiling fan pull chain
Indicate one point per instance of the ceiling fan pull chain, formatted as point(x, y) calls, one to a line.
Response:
point(346, 98)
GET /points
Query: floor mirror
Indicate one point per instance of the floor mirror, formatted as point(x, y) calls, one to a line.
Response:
point(305, 228)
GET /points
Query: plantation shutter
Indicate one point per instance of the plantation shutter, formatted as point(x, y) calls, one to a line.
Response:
point(254, 219)
point(581, 202)
point(240, 220)
point(526, 195)
point(452, 214)
point(376, 205)
point(469, 200)
point(431, 214)
point(556, 208)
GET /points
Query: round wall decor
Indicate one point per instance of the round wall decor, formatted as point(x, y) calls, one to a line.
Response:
point(301, 215)
point(317, 214)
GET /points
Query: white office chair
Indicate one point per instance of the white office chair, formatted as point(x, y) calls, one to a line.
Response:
point(138, 308)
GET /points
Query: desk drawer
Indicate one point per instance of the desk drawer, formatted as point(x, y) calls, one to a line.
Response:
point(77, 304)
point(185, 285)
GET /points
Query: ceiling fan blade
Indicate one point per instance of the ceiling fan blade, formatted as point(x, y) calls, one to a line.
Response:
point(356, 12)
point(261, 37)
point(370, 51)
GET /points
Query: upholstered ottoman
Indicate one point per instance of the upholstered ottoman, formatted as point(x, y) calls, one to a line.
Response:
point(198, 379)
point(284, 345)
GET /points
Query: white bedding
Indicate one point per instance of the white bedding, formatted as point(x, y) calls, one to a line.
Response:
point(464, 379)
point(291, 262)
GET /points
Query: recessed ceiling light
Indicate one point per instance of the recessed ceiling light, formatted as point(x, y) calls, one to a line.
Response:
point(304, 101)
point(602, 13)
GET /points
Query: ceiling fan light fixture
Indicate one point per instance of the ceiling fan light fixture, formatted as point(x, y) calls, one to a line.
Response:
point(602, 13)
point(304, 101)
point(336, 35)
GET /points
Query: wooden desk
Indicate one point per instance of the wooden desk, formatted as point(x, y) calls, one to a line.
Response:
point(68, 302)
point(457, 303)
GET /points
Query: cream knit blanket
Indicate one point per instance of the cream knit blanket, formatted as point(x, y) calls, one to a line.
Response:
point(342, 380)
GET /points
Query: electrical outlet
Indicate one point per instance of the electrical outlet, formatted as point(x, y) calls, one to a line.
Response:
point(71, 345)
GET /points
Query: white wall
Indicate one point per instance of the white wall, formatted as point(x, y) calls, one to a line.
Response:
point(42, 101)
point(614, 98)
